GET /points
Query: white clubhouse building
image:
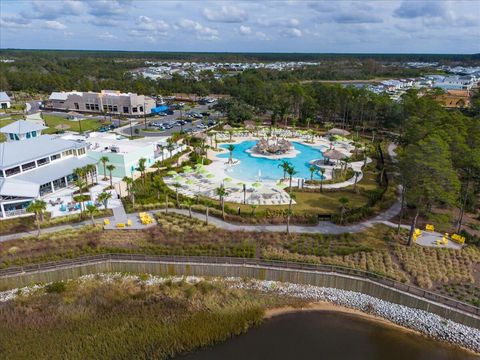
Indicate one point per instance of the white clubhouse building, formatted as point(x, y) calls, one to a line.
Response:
point(33, 165)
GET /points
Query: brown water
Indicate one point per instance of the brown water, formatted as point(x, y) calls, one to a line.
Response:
point(329, 336)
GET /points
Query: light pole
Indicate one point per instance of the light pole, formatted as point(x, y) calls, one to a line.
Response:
point(145, 114)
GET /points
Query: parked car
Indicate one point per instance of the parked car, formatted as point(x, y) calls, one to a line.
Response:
point(170, 112)
point(206, 113)
point(162, 114)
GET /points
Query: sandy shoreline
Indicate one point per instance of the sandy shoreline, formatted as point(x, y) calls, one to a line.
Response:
point(326, 306)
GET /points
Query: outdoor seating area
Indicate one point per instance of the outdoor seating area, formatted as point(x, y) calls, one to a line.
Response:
point(430, 238)
point(145, 218)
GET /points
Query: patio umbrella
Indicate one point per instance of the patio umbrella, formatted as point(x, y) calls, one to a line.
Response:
point(340, 132)
point(198, 166)
point(189, 182)
point(256, 185)
point(227, 179)
point(334, 155)
point(227, 127)
point(187, 167)
point(241, 183)
point(202, 171)
point(188, 171)
point(210, 176)
point(171, 173)
point(178, 178)
point(282, 185)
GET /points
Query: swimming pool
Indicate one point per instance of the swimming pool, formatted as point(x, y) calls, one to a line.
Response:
point(258, 168)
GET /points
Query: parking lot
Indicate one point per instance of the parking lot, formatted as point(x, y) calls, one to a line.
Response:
point(166, 125)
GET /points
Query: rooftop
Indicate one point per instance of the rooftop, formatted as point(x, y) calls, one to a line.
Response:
point(4, 96)
point(22, 127)
point(16, 152)
point(55, 170)
point(20, 188)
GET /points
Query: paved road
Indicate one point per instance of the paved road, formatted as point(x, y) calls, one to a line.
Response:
point(32, 107)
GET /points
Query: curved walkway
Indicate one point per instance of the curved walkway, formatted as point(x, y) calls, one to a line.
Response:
point(323, 227)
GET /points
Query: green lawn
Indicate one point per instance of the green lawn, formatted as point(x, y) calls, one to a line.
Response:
point(53, 121)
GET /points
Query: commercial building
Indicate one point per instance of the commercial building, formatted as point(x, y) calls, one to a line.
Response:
point(5, 101)
point(106, 101)
point(33, 165)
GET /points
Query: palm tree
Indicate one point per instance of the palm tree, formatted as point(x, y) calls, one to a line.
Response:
point(157, 165)
point(284, 165)
point(37, 207)
point(357, 174)
point(312, 170)
point(92, 211)
point(104, 160)
point(110, 168)
point(230, 148)
point(176, 186)
point(347, 160)
point(103, 198)
point(157, 185)
point(291, 172)
point(322, 171)
point(343, 201)
point(81, 174)
point(289, 212)
point(128, 182)
point(81, 199)
point(142, 167)
point(170, 148)
point(230, 132)
point(221, 193)
point(189, 202)
point(161, 150)
point(90, 169)
point(166, 203)
point(80, 183)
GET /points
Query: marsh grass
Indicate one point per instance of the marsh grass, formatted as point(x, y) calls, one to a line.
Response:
point(125, 319)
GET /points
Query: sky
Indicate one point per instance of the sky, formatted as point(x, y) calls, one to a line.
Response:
point(395, 26)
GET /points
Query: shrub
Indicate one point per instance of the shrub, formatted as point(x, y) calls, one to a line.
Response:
point(56, 287)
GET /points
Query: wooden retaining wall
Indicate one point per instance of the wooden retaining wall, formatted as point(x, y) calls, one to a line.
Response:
point(299, 276)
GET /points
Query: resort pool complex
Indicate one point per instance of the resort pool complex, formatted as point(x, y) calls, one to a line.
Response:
point(259, 168)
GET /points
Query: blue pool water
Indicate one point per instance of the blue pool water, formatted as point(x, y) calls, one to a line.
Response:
point(248, 169)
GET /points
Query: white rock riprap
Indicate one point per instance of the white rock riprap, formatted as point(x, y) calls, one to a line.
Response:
point(422, 321)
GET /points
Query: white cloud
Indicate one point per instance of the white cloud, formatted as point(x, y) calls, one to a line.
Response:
point(146, 23)
point(202, 32)
point(108, 8)
point(291, 32)
point(261, 36)
point(104, 22)
point(225, 14)
point(245, 30)
point(50, 10)
point(54, 25)
point(14, 21)
point(106, 36)
point(277, 22)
